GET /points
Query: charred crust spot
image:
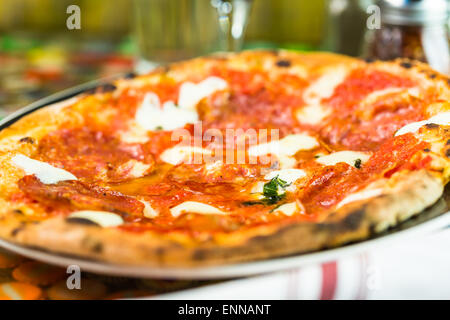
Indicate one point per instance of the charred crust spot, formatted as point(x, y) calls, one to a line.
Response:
point(406, 64)
point(373, 230)
point(354, 219)
point(160, 252)
point(448, 142)
point(432, 75)
point(283, 63)
point(16, 231)
point(92, 244)
point(432, 125)
point(426, 150)
point(17, 211)
point(104, 88)
point(350, 223)
point(29, 140)
point(97, 248)
point(82, 221)
point(199, 255)
point(130, 75)
point(447, 153)
point(369, 60)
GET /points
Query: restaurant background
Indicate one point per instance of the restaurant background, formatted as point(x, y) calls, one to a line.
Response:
point(40, 56)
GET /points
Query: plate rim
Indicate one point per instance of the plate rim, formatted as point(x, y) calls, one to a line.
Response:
point(233, 270)
point(199, 273)
point(55, 98)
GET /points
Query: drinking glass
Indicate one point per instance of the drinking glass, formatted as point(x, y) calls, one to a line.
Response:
point(172, 30)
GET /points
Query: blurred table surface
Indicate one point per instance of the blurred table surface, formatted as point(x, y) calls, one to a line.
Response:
point(25, 279)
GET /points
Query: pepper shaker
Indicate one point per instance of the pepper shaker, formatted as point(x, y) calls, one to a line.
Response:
point(415, 29)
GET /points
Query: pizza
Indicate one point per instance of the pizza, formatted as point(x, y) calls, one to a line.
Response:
point(228, 158)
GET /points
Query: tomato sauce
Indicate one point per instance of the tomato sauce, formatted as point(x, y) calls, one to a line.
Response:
point(362, 82)
point(93, 152)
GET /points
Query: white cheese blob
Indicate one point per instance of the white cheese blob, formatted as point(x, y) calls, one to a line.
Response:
point(440, 119)
point(257, 189)
point(134, 134)
point(194, 207)
point(373, 96)
point(288, 146)
point(191, 94)
point(45, 172)
point(214, 167)
point(402, 92)
point(133, 169)
point(348, 157)
point(324, 86)
point(287, 209)
point(149, 211)
point(312, 114)
point(359, 196)
point(288, 175)
point(151, 116)
point(180, 154)
point(287, 162)
point(102, 218)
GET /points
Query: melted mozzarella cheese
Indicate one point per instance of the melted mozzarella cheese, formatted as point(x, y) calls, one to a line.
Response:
point(287, 209)
point(133, 169)
point(102, 218)
point(191, 94)
point(287, 162)
point(149, 211)
point(134, 134)
point(359, 196)
point(194, 207)
point(288, 146)
point(179, 154)
point(258, 189)
point(348, 157)
point(312, 114)
point(45, 172)
point(288, 175)
point(214, 167)
point(324, 87)
point(151, 116)
point(440, 119)
point(373, 96)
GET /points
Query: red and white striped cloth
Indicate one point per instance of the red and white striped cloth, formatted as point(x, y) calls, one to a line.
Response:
point(418, 269)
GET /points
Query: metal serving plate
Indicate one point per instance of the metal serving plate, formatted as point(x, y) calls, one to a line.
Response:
point(431, 219)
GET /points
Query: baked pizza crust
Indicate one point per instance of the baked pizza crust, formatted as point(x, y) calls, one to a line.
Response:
point(405, 195)
point(409, 195)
